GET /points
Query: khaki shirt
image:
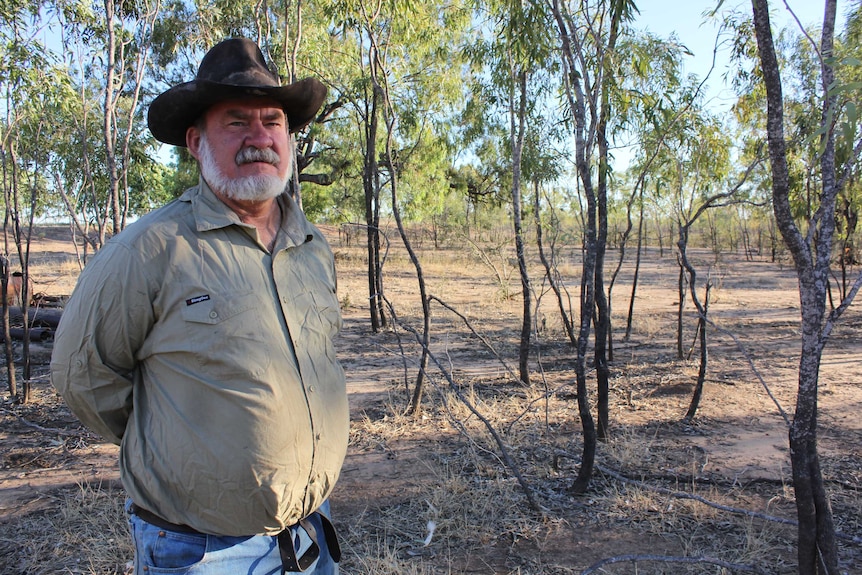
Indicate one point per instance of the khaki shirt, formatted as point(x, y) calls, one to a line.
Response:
point(211, 362)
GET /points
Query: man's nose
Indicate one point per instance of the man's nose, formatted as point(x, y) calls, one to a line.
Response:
point(257, 135)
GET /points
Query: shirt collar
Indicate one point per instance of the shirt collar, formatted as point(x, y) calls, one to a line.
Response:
point(211, 213)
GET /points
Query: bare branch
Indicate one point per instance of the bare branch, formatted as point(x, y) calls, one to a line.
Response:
point(319, 179)
point(504, 452)
point(754, 369)
point(482, 338)
point(717, 199)
point(836, 313)
point(804, 32)
point(51, 430)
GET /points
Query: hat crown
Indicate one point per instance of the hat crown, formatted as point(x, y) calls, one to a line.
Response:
point(232, 69)
point(236, 62)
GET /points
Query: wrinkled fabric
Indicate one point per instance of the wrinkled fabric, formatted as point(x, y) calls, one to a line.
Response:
point(211, 362)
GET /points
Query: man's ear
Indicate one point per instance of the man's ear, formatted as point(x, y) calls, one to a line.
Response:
point(193, 141)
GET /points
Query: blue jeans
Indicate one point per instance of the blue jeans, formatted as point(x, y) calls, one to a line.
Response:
point(159, 551)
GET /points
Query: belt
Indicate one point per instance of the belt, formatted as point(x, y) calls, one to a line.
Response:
point(154, 519)
point(290, 562)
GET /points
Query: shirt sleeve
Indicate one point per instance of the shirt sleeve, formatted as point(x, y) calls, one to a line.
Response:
point(105, 322)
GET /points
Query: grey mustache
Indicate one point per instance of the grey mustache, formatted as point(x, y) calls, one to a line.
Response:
point(252, 154)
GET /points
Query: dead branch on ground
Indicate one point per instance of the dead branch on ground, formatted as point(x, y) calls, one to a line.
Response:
point(504, 452)
point(481, 338)
point(36, 426)
point(683, 495)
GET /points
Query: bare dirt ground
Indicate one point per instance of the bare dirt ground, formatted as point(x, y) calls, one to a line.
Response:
point(434, 494)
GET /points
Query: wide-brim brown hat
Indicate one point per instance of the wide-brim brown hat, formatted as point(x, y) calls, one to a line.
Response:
point(234, 68)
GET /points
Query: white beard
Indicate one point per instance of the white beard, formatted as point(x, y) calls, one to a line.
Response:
point(248, 188)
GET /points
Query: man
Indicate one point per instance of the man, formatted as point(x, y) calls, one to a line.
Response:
point(200, 340)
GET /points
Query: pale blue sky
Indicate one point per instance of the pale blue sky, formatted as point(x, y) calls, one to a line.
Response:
point(687, 20)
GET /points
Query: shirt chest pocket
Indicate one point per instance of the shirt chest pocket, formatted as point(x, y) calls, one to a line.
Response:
point(227, 336)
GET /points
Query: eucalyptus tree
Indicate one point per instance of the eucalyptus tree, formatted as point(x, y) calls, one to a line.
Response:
point(543, 165)
point(103, 171)
point(483, 173)
point(810, 242)
point(696, 159)
point(704, 169)
point(25, 72)
point(351, 34)
point(479, 187)
point(588, 33)
point(649, 102)
point(848, 76)
point(515, 50)
point(420, 75)
point(407, 85)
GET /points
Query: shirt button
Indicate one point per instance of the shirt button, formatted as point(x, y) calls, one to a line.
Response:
point(213, 314)
point(311, 389)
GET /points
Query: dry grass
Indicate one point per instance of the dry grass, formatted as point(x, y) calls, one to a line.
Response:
point(84, 534)
point(474, 504)
point(431, 495)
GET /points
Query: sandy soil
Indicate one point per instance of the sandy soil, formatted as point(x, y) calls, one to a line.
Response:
point(738, 440)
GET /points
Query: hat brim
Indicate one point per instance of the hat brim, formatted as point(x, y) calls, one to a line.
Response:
point(173, 111)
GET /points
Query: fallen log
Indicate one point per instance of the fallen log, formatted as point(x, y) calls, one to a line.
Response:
point(39, 334)
point(39, 317)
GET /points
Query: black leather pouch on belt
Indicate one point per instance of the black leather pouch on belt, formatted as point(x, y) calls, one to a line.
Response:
point(290, 563)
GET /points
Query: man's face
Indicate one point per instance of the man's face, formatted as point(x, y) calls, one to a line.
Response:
point(243, 148)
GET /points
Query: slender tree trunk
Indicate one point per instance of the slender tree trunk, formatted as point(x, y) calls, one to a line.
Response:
point(817, 549)
point(370, 182)
point(603, 328)
point(110, 115)
point(415, 408)
point(606, 81)
point(637, 268)
point(624, 238)
point(23, 240)
point(701, 308)
point(817, 545)
point(7, 337)
point(681, 291)
point(381, 86)
point(714, 240)
point(9, 179)
point(291, 48)
point(582, 163)
point(551, 272)
point(704, 359)
point(517, 129)
point(378, 300)
point(291, 52)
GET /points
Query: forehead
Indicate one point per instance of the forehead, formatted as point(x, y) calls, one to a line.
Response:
point(246, 107)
